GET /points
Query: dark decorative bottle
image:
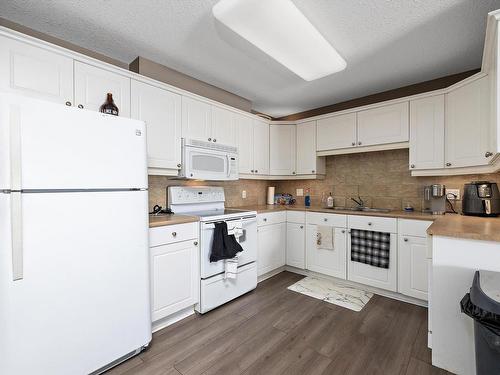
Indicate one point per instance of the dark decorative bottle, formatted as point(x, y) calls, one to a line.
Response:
point(109, 107)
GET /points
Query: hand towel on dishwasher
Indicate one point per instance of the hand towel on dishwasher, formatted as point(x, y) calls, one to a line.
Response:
point(324, 237)
point(370, 247)
point(224, 246)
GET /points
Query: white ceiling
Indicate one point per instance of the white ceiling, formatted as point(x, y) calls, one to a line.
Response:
point(386, 44)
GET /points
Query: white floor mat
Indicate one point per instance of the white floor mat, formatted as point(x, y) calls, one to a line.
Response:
point(332, 292)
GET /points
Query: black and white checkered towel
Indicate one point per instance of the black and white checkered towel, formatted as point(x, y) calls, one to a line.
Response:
point(370, 247)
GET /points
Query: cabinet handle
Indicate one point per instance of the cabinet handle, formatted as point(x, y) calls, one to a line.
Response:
point(174, 234)
point(80, 106)
point(353, 143)
point(210, 139)
point(179, 165)
point(68, 104)
point(412, 166)
point(448, 164)
point(359, 143)
point(195, 243)
point(215, 140)
point(405, 239)
point(488, 154)
point(370, 224)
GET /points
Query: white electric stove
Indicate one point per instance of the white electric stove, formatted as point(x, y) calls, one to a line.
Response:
point(208, 203)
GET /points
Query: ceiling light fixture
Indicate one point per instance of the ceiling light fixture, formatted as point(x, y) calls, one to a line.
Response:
point(278, 28)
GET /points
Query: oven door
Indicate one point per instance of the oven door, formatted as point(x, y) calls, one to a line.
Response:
point(248, 241)
point(206, 164)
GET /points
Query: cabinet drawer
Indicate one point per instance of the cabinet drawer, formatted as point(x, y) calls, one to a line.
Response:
point(172, 233)
point(377, 224)
point(416, 228)
point(271, 218)
point(298, 217)
point(333, 220)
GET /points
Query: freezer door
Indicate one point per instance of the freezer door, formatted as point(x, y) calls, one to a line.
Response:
point(83, 301)
point(50, 146)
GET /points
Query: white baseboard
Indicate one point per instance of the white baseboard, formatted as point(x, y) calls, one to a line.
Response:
point(270, 274)
point(171, 319)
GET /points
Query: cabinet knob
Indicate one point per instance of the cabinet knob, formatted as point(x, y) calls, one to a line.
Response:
point(179, 165)
point(412, 166)
point(325, 219)
point(174, 234)
point(487, 154)
point(195, 243)
point(215, 140)
point(405, 239)
point(210, 139)
point(256, 171)
point(313, 171)
point(343, 230)
point(448, 164)
point(80, 106)
point(301, 227)
point(359, 143)
point(265, 219)
point(370, 224)
point(68, 104)
point(293, 172)
point(252, 171)
point(353, 143)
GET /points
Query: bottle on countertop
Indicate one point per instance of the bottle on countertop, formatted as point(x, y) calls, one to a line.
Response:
point(307, 198)
point(323, 200)
point(109, 107)
point(329, 201)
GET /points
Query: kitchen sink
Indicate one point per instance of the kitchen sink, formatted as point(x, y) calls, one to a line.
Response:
point(362, 209)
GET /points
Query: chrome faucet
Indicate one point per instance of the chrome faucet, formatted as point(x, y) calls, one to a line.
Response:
point(359, 202)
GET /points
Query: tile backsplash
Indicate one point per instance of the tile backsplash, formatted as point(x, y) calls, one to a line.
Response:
point(382, 179)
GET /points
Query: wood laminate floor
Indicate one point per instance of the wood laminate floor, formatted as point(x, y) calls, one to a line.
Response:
point(276, 331)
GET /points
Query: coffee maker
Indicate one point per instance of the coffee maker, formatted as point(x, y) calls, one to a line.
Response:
point(434, 199)
point(481, 198)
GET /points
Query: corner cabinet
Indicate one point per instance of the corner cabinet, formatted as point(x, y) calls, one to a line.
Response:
point(253, 146)
point(161, 111)
point(307, 163)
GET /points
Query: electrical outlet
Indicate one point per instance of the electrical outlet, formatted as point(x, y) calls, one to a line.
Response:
point(455, 192)
point(299, 192)
point(244, 194)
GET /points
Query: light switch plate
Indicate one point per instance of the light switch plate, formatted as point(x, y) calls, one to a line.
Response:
point(299, 192)
point(244, 194)
point(454, 192)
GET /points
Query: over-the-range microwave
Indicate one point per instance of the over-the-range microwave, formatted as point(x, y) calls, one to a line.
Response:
point(208, 161)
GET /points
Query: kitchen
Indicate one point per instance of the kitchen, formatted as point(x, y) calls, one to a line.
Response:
point(211, 158)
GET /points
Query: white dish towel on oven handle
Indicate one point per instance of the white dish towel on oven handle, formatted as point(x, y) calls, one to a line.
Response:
point(231, 265)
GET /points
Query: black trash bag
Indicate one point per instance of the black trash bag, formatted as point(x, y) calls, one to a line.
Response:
point(489, 320)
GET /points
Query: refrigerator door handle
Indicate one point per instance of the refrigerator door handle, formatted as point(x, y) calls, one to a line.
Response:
point(17, 236)
point(15, 148)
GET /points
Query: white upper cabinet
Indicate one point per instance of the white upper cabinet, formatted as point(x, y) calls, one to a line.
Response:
point(93, 83)
point(386, 124)
point(224, 127)
point(427, 133)
point(245, 143)
point(261, 147)
point(307, 162)
point(161, 111)
point(468, 125)
point(36, 72)
point(196, 119)
point(282, 149)
point(336, 132)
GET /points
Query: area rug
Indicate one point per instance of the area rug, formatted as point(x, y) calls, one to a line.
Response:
point(332, 292)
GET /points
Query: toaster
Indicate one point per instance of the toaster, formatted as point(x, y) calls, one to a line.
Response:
point(481, 198)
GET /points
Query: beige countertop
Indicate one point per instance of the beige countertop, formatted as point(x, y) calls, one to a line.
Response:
point(162, 220)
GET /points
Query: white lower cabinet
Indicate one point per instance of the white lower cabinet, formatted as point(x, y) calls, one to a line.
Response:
point(295, 245)
point(174, 268)
point(271, 247)
point(326, 261)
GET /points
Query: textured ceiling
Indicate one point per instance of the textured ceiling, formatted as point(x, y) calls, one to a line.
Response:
point(386, 44)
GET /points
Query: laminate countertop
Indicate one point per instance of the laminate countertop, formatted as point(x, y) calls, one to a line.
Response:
point(162, 220)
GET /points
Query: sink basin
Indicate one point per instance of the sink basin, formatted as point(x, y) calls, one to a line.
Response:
point(363, 209)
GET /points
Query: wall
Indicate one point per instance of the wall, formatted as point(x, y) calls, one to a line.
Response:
point(256, 190)
point(382, 179)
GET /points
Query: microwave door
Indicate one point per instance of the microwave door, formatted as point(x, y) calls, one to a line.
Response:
point(207, 165)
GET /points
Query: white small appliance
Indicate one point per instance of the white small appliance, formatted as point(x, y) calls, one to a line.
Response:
point(207, 202)
point(74, 264)
point(208, 161)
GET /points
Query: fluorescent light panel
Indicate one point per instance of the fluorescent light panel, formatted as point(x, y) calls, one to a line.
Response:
point(278, 28)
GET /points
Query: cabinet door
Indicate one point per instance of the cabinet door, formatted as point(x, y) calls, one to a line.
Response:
point(412, 271)
point(92, 84)
point(427, 133)
point(468, 125)
point(271, 247)
point(196, 120)
point(328, 262)
point(387, 124)
point(261, 147)
point(336, 132)
point(282, 146)
point(174, 278)
point(161, 111)
point(36, 72)
point(295, 246)
point(306, 148)
point(245, 133)
point(223, 126)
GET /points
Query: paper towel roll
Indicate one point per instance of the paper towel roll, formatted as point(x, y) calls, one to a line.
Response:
point(270, 195)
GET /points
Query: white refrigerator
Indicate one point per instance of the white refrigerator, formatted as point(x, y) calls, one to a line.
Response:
point(74, 274)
